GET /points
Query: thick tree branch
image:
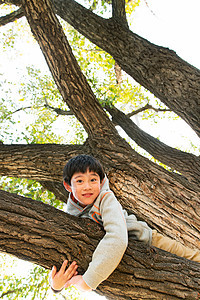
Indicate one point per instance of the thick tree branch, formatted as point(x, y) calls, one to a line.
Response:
point(160, 70)
point(39, 233)
point(72, 83)
point(67, 74)
point(186, 163)
point(153, 194)
point(40, 162)
point(175, 82)
point(12, 17)
point(164, 200)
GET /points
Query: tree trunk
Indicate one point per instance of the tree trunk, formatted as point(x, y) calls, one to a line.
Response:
point(175, 82)
point(166, 201)
point(37, 232)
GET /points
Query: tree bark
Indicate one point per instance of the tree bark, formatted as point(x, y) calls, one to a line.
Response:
point(11, 17)
point(187, 164)
point(37, 232)
point(43, 162)
point(118, 12)
point(103, 139)
point(154, 195)
point(66, 72)
point(175, 82)
point(166, 201)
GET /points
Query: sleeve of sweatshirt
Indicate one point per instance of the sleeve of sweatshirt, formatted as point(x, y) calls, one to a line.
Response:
point(111, 248)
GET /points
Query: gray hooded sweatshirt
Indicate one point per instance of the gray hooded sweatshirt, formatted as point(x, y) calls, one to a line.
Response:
point(108, 212)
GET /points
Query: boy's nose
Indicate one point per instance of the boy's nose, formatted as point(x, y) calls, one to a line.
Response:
point(87, 185)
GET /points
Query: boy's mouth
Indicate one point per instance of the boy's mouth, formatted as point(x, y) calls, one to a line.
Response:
point(87, 195)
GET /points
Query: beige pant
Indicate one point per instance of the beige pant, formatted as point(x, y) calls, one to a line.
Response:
point(170, 245)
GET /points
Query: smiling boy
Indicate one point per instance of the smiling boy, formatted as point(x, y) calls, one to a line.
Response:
point(91, 197)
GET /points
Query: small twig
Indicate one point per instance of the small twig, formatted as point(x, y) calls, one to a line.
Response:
point(12, 17)
point(10, 292)
point(59, 111)
point(147, 106)
point(19, 109)
point(149, 8)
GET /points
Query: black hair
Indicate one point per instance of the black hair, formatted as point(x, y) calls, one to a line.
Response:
point(81, 163)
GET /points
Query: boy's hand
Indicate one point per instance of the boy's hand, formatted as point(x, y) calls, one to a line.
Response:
point(79, 283)
point(59, 279)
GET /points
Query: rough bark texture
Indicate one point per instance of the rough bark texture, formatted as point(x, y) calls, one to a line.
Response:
point(186, 163)
point(155, 195)
point(40, 162)
point(11, 17)
point(66, 72)
point(44, 235)
point(166, 201)
point(175, 82)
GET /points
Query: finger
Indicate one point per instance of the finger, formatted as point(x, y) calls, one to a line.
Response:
point(53, 272)
point(63, 267)
point(70, 272)
point(71, 269)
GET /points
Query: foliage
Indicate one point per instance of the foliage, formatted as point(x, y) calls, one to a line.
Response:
point(26, 118)
point(31, 90)
point(33, 284)
point(36, 123)
point(17, 287)
point(29, 188)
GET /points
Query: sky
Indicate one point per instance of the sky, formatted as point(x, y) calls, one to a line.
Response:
point(173, 24)
point(170, 23)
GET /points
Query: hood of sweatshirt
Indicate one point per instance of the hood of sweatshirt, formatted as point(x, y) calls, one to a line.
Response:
point(104, 184)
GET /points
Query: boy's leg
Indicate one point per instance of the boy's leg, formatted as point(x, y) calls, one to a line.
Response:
point(170, 245)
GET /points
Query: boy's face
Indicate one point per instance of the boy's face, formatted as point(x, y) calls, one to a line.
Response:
point(85, 186)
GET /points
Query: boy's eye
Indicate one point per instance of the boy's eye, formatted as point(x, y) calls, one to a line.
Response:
point(93, 179)
point(79, 181)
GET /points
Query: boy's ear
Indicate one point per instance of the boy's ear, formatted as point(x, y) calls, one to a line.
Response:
point(67, 186)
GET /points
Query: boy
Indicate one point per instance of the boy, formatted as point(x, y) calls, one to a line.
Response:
point(90, 197)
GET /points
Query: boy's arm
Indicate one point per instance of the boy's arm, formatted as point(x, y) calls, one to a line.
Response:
point(111, 248)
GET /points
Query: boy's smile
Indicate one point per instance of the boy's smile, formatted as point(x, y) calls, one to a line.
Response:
point(85, 186)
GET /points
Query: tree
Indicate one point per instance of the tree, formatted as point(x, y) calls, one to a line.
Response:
point(167, 201)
